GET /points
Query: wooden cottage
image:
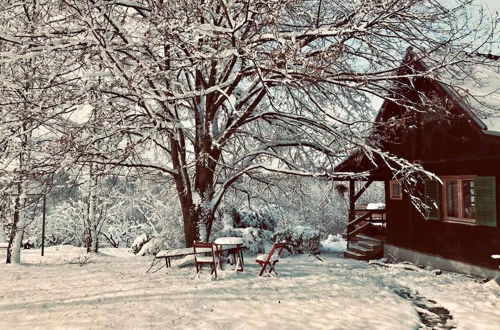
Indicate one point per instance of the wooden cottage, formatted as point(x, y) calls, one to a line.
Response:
point(459, 141)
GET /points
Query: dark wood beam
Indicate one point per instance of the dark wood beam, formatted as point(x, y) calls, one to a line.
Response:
point(362, 190)
point(352, 200)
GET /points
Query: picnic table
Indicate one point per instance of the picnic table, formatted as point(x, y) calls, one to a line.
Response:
point(235, 246)
point(170, 254)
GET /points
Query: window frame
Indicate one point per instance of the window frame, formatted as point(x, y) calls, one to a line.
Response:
point(444, 199)
point(392, 196)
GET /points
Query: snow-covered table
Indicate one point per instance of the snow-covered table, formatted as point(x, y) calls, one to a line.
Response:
point(170, 254)
point(235, 246)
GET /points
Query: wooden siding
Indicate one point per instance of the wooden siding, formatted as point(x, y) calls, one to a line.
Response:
point(447, 143)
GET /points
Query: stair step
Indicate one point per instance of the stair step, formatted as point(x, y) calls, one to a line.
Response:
point(369, 244)
point(355, 255)
point(362, 256)
point(358, 248)
point(368, 238)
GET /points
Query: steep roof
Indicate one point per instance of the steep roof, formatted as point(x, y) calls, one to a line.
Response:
point(484, 96)
point(476, 89)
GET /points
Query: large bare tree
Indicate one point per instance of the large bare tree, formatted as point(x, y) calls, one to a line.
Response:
point(213, 90)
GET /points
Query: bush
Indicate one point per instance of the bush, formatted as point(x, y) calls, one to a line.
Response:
point(139, 242)
point(258, 230)
point(256, 240)
point(301, 239)
point(152, 247)
point(334, 244)
point(255, 227)
point(262, 219)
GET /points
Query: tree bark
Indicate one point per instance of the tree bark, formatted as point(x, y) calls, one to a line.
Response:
point(15, 221)
point(21, 224)
point(91, 231)
point(3, 237)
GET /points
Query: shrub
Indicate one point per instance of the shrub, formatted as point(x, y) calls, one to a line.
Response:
point(153, 246)
point(139, 243)
point(301, 239)
point(256, 240)
point(262, 219)
point(255, 227)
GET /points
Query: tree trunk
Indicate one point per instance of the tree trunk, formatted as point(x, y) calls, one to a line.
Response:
point(196, 201)
point(15, 221)
point(90, 214)
point(21, 224)
point(3, 237)
point(93, 215)
point(197, 223)
point(191, 233)
point(197, 215)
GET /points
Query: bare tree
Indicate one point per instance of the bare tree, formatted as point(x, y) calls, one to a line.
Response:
point(216, 90)
point(34, 92)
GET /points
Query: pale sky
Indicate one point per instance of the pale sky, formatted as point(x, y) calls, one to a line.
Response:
point(493, 5)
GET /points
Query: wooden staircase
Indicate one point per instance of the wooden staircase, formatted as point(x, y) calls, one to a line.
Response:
point(364, 247)
point(365, 239)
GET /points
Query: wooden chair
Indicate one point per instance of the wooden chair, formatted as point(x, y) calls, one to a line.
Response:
point(205, 253)
point(270, 259)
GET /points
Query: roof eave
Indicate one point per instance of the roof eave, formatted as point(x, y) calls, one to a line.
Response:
point(490, 132)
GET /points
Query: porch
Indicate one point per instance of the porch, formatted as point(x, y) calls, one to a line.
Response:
point(366, 228)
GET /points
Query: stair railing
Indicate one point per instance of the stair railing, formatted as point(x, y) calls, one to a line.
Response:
point(368, 216)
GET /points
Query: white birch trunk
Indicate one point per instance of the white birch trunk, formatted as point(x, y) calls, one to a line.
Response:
point(18, 239)
point(3, 237)
point(90, 214)
point(86, 221)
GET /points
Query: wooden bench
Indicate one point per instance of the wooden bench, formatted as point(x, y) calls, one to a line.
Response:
point(168, 255)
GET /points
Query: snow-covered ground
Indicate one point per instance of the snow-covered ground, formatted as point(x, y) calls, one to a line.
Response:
point(112, 290)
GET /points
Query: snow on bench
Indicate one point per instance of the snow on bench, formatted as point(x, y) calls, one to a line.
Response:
point(178, 253)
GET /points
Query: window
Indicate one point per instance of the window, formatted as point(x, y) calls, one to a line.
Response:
point(459, 199)
point(467, 199)
point(395, 189)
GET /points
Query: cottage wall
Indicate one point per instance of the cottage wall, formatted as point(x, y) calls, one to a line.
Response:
point(447, 143)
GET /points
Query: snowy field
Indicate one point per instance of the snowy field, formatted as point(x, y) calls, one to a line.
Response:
point(113, 291)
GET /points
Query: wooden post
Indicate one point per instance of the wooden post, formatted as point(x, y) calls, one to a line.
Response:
point(43, 224)
point(352, 215)
point(352, 200)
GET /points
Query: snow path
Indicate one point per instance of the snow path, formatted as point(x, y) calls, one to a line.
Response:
point(113, 291)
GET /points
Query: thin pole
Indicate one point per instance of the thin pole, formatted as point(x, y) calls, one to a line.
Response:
point(352, 205)
point(43, 225)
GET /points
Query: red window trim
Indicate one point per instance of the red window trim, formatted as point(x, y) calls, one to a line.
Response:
point(460, 218)
point(391, 192)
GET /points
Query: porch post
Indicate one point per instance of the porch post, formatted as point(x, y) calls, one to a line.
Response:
point(352, 200)
point(352, 215)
